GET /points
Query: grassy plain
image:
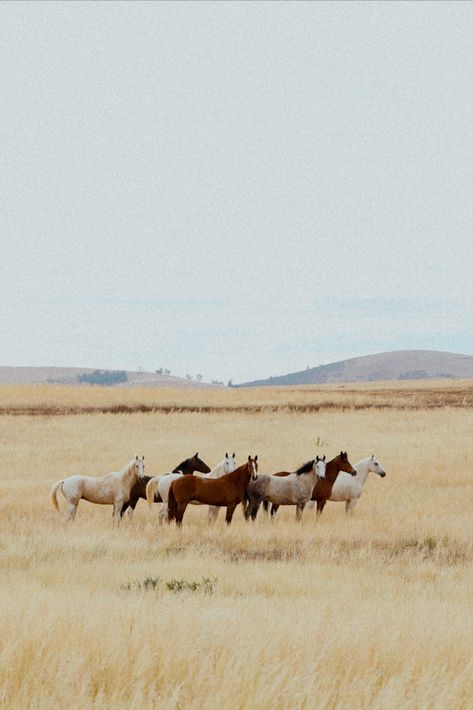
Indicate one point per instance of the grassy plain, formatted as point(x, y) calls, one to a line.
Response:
point(368, 612)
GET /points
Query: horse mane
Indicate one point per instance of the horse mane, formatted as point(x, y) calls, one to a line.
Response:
point(306, 467)
point(180, 466)
point(128, 466)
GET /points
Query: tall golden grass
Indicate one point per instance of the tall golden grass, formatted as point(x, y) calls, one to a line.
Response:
point(372, 611)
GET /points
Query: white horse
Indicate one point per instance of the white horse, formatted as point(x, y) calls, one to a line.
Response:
point(294, 489)
point(111, 489)
point(162, 485)
point(349, 488)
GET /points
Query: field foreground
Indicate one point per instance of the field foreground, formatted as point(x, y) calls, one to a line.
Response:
point(368, 612)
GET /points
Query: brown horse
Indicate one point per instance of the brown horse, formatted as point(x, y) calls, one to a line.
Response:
point(226, 491)
point(323, 488)
point(139, 489)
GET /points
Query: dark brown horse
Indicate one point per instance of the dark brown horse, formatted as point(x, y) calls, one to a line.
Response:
point(139, 489)
point(323, 488)
point(226, 491)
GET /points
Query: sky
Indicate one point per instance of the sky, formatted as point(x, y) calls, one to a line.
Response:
point(234, 189)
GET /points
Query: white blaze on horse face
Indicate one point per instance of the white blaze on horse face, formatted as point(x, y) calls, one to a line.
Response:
point(320, 467)
point(254, 475)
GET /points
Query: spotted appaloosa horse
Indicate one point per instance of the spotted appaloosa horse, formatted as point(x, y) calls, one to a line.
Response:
point(226, 491)
point(111, 489)
point(188, 466)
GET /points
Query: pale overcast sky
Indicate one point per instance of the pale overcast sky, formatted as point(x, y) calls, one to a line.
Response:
point(234, 189)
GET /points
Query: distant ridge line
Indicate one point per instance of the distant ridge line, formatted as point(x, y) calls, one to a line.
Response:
point(387, 366)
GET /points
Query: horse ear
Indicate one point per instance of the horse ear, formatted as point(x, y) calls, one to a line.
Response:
point(226, 455)
point(233, 455)
point(372, 456)
point(197, 454)
point(136, 457)
point(323, 458)
point(256, 457)
point(249, 457)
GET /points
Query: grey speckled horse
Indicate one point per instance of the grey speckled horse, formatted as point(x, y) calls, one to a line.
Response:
point(294, 489)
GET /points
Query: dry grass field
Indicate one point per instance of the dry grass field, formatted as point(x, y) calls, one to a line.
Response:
point(373, 611)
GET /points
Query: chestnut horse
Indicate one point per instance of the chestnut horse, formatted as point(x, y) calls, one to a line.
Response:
point(139, 489)
point(228, 491)
point(158, 488)
point(323, 488)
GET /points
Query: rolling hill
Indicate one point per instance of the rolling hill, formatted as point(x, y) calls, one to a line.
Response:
point(84, 375)
point(398, 365)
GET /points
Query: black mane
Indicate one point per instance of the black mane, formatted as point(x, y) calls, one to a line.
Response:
point(306, 467)
point(183, 465)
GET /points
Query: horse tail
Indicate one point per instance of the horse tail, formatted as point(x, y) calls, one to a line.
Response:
point(57, 487)
point(151, 487)
point(172, 504)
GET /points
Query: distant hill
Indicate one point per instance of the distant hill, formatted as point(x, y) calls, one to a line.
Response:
point(398, 365)
point(84, 376)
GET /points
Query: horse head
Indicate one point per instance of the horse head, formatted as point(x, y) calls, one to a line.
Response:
point(345, 465)
point(376, 467)
point(320, 466)
point(230, 463)
point(198, 464)
point(139, 463)
point(253, 465)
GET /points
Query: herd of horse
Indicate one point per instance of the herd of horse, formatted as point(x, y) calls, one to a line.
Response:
point(224, 486)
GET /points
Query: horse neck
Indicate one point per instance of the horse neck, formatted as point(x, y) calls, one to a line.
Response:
point(331, 471)
point(186, 467)
point(242, 474)
point(217, 471)
point(130, 476)
point(309, 478)
point(362, 470)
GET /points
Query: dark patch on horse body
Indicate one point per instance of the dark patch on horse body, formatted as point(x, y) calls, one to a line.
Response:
point(187, 467)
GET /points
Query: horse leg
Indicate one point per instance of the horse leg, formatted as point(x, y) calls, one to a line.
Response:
point(274, 509)
point(117, 510)
point(320, 506)
point(310, 504)
point(247, 504)
point(253, 508)
point(299, 510)
point(163, 513)
point(230, 511)
point(181, 509)
point(213, 513)
point(350, 505)
point(71, 510)
point(130, 505)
